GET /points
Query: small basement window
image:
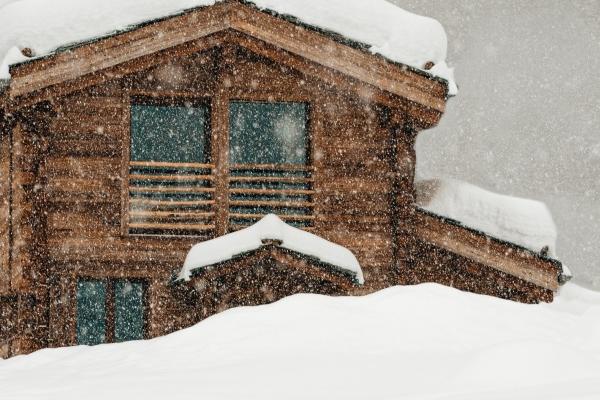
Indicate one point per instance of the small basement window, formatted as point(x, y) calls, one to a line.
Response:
point(170, 176)
point(269, 163)
point(110, 311)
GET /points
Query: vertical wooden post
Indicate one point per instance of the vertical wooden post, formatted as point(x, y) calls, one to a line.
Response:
point(403, 137)
point(317, 136)
point(220, 140)
point(5, 200)
point(29, 269)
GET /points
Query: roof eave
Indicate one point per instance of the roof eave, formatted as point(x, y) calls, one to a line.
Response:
point(519, 254)
point(437, 100)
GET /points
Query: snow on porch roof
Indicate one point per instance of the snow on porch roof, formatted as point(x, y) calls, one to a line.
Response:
point(271, 227)
point(526, 223)
point(44, 26)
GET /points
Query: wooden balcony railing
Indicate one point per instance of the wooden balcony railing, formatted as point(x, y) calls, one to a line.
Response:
point(259, 189)
point(179, 198)
point(171, 198)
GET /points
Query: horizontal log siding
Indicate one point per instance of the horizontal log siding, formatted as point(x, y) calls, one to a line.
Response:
point(353, 182)
point(4, 211)
point(84, 173)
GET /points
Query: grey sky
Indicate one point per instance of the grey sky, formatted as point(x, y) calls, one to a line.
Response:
point(527, 119)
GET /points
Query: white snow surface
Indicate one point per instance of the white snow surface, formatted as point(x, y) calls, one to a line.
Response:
point(270, 227)
point(412, 342)
point(401, 36)
point(527, 223)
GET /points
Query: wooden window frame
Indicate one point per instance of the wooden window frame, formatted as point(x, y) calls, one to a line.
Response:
point(159, 99)
point(218, 144)
point(266, 97)
point(110, 306)
point(273, 100)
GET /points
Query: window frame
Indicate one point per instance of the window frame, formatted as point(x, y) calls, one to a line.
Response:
point(161, 99)
point(307, 122)
point(110, 305)
point(217, 123)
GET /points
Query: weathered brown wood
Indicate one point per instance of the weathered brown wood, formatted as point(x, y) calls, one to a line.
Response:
point(271, 167)
point(272, 204)
point(347, 60)
point(182, 227)
point(176, 31)
point(285, 217)
point(119, 49)
point(269, 179)
point(5, 199)
point(165, 189)
point(167, 178)
point(171, 214)
point(272, 191)
point(170, 203)
point(481, 249)
point(155, 164)
point(220, 138)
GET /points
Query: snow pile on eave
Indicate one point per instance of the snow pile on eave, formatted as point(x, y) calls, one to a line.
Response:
point(527, 223)
point(411, 342)
point(396, 34)
point(270, 227)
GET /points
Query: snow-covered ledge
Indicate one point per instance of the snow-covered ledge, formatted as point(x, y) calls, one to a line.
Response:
point(271, 227)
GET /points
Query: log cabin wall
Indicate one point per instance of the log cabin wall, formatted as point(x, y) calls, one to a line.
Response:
point(433, 264)
point(4, 209)
point(86, 173)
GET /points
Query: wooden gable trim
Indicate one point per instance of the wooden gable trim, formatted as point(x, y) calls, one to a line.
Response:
point(33, 79)
point(286, 257)
point(483, 249)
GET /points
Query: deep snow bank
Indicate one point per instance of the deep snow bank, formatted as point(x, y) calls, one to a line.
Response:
point(420, 342)
point(399, 35)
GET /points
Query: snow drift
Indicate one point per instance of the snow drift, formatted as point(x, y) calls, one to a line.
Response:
point(527, 223)
point(419, 342)
point(399, 35)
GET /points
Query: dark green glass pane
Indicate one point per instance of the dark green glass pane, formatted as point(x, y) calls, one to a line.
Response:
point(91, 312)
point(129, 310)
point(169, 133)
point(268, 133)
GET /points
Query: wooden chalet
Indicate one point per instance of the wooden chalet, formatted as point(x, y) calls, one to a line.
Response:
point(117, 155)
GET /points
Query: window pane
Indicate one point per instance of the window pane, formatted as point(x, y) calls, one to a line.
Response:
point(129, 311)
point(268, 133)
point(169, 133)
point(91, 312)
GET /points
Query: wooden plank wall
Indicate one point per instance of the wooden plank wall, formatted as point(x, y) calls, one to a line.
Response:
point(434, 264)
point(84, 173)
point(4, 211)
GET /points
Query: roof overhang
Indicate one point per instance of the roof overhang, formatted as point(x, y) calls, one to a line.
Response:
point(285, 258)
point(483, 249)
point(108, 58)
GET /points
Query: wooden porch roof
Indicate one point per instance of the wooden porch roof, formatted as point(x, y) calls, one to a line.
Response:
point(480, 247)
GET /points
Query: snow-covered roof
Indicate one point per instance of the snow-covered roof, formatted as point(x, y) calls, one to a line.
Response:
point(388, 30)
point(270, 227)
point(524, 222)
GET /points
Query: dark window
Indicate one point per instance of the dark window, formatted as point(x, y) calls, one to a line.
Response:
point(110, 311)
point(91, 312)
point(269, 156)
point(169, 132)
point(170, 182)
point(268, 133)
point(129, 310)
